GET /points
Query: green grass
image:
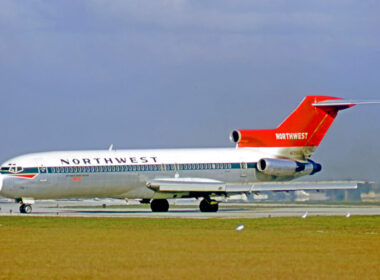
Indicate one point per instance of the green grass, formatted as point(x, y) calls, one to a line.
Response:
point(109, 248)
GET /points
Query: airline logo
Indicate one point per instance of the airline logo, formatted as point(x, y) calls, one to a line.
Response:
point(97, 161)
point(292, 136)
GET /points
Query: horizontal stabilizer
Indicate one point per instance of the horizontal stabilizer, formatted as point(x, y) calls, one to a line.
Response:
point(343, 103)
point(186, 185)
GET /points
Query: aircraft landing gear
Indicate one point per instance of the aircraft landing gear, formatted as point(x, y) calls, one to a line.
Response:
point(25, 208)
point(209, 205)
point(159, 205)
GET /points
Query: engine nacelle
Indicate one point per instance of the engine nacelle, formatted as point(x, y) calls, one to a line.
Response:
point(235, 136)
point(287, 167)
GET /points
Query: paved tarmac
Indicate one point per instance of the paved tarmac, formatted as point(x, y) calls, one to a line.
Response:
point(93, 208)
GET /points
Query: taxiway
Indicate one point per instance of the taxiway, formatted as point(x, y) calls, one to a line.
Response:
point(92, 208)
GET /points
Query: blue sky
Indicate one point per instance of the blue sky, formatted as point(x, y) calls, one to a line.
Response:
point(160, 74)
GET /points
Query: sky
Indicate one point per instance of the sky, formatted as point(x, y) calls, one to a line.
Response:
point(175, 74)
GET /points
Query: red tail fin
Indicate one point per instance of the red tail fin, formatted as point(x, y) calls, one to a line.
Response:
point(305, 127)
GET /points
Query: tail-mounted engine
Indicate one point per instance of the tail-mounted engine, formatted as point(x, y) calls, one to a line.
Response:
point(287, 167)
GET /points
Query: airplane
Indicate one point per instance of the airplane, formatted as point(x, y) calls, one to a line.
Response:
point(262, 160)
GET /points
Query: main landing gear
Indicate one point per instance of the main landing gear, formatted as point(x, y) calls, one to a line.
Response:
point(208, 205)
point(159, 205)
point(25, 208)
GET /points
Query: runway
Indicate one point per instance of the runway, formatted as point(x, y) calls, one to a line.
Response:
point(91, 208)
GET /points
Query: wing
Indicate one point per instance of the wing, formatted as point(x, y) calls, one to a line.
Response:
point(202, 185)
point(179, 185)
point(296, 186)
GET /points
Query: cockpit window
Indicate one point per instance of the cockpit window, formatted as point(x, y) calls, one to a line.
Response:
point(12, 169)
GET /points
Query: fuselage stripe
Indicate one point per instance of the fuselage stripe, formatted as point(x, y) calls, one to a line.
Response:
point(134, 168)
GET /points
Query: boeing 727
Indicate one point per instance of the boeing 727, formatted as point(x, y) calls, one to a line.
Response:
point(263, 160)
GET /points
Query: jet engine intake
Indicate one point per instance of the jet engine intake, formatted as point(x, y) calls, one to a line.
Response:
point(287, 167)
point(235, 136)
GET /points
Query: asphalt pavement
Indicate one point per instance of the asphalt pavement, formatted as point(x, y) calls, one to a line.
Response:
point(189, 209)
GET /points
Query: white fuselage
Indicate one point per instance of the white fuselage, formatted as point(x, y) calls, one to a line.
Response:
point(125, 173)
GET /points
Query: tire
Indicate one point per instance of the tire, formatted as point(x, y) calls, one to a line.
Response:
point(25, 208)
point(159, 205)
point(207, 205)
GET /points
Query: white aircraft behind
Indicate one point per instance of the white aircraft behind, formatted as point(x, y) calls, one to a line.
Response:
point(263, 160)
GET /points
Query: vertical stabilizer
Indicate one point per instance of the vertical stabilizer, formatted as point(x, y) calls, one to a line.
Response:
point(301, 132)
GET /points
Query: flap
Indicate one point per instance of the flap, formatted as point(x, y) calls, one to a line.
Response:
point(186, 185)
point(308, 185)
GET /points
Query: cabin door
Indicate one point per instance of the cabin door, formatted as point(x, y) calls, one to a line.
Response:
point(243, 169)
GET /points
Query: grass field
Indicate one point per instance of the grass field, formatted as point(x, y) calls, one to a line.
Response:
point(113, 248)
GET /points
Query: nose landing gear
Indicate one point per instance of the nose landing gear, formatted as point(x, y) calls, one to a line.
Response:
point(25, 205)
point(25, 208)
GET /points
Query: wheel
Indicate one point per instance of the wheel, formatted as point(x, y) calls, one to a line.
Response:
point(25, 208)
point(159, 205)
point(28, 209)
point(208, 205)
